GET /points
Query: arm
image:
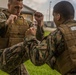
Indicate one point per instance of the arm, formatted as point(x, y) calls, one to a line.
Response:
point(11, 58)
point(3, 26)
point(57, 46)
point(45, 51)
point(40, 31)
point(38, 52)
point(2, 20)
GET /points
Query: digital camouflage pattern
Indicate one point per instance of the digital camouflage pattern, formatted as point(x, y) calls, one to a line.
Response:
point(67, 59)
point(50, 47)
point(11, 38)
point(19, 53)
point(46, 51)
point(11, 58)
point(50, 51)
point(4, 35)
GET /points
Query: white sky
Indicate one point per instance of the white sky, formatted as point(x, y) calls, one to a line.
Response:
point(43, 6)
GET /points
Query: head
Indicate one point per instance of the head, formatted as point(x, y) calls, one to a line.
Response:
point(62, 12)
point(15, 6)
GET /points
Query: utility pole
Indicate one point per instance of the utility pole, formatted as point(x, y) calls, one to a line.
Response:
point(49, 9)
point(47, 15)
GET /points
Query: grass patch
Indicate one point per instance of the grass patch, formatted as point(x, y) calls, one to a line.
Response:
point(40, 70)
point(46, 33)
point(36, 70)
point(3, 73)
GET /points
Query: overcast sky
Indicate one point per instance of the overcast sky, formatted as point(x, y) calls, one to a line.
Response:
point(43, 6)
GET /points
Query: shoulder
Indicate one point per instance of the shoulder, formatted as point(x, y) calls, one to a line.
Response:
point(2, 16)
point(56, 35)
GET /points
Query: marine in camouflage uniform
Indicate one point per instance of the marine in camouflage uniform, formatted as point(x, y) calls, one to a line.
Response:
point(58, 49)
point(49, 50)
point(11, 34)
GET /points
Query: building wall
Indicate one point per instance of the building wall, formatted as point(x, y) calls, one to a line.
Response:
point(3, 3)
point(28, 16)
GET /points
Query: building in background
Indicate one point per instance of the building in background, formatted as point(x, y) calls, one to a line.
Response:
point(50, 24)
point(28, 13)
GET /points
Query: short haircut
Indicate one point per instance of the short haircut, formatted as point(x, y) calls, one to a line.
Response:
point(10, 1)
point(65, 9)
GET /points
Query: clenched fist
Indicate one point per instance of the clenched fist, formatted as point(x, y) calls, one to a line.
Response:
point(30, 31)
point(11, 19)
point(39, 18)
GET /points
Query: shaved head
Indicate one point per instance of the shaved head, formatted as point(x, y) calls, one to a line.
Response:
point(15, 6)
point(10, 1)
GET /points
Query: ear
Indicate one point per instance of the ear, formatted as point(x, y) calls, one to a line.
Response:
point(58, 17)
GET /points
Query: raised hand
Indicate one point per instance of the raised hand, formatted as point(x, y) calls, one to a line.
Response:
point(30, 31)
point(39, 18)
point(11, 19)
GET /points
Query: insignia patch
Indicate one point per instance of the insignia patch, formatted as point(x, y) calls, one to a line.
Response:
point(73, 28)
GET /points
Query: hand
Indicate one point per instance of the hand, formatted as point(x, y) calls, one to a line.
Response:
point(31, 31)
point(11, 19)
point(39, 18)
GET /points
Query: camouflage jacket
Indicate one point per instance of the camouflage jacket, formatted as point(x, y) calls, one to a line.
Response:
point(7, 59)
point(11, 58)
point(42, 52)
point(4, 15)
point(47, 50)
point(39, 52)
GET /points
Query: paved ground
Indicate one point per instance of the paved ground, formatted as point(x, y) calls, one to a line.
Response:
point(49, 29)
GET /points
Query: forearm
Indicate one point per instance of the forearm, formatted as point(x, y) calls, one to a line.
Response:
point(41, 53)
point(40, 33)
point(37, 51)
point(14, 56)
point(37, 57)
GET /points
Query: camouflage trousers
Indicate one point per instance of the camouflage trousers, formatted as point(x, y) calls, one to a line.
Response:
point(21, 70)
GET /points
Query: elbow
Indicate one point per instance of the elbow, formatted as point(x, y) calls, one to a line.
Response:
point(38, 63)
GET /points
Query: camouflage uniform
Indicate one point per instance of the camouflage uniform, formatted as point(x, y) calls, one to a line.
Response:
point(49, 50)
point(4, 33)
point(11, 58)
